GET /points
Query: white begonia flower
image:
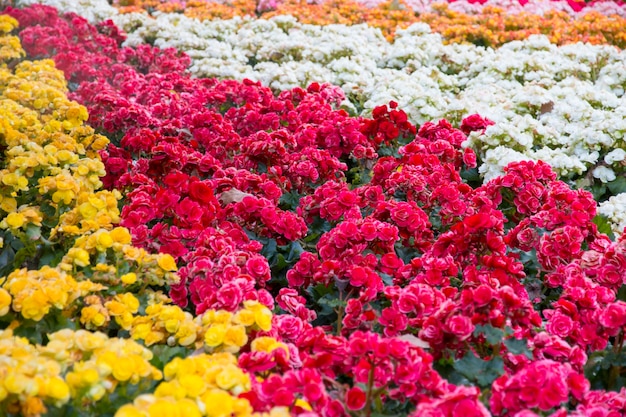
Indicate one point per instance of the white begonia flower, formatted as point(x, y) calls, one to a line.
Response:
point(614, 210)
point(604, 174)
point(94, 11)
point(496, 159)
point(616, 155)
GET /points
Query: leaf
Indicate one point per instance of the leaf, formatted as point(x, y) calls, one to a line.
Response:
point(598, 190)
point(604, 226)
point(164, 354)
point(618, 186)
point(269, 248)
point(7, 255)
point(481, 371)
point(518, 346)
point(33, 232)
point(291, 200)
point(469, 365)
point(493, 370)
point(331, 301)
point(295, 251)
point(492, 334)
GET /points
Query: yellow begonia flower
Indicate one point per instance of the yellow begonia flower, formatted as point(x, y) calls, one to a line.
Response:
point(244, 317)
point(7, 23)
point(121, 235)
point(129, 278)
point(5, 302)
point(15, 220)
point(218, 403)
point(236, 336)
point(166, 262)
point(267, 344)
point(215, 335)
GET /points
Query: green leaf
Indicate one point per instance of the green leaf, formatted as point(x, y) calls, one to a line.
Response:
point(618, 186)
point(290, 200)
point(163, 354)
point(478, 370)
point(614, 359)
point(331, 301)
point(493, 335)
point(518, 347)
point(7, 255)
point(598, 190)
point(493, 370)
point(604, 226)
point(33, 232)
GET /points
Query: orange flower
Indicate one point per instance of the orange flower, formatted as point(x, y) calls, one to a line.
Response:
point(492, 27)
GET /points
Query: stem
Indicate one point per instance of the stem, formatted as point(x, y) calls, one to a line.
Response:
point(339, 320)
point(615, 370)
point(370, 386)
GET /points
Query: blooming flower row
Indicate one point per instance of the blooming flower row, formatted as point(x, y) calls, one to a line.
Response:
point(241, 8)
point(563, 105)
point(491, 23)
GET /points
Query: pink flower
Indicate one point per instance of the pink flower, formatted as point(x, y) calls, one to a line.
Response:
point(460, 326)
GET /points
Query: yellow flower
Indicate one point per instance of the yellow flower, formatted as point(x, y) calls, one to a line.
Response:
point(188, 408)
point(36, 306)
point(263, 319)
point(104, 241)
point(215, 335)
point(33, 406)
point(57, 388)
point(121, 235)
point(93, 316)
point(5, 302)
point(186, 333)
point(15, 220)
point(129, 410)
point(193, 385)
point(170, 389)
point(8, 204)
point(267, 344)
point(163, 408)
point(7, 23)
point(236, 336)
point(123, 368)
point(80, 256)
point(303, 404)
point(245, 317)
point(231, 376)
point(130, 301)
point(218, 403)
point(166, 262)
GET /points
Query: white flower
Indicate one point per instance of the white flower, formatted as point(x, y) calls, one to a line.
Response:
point(616, 155)
point(604, 174)
point(614, 210)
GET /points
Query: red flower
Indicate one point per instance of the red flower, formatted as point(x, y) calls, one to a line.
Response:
point(355, 399)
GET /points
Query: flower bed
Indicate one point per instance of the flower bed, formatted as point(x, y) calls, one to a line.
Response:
point(331, 264)
point(563, 105)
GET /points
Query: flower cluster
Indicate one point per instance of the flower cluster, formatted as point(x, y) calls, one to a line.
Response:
point(29, 379)
point(205, 382)
point(80, 365)
point(491, 25)
point(494, 26)
point(563, 105)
